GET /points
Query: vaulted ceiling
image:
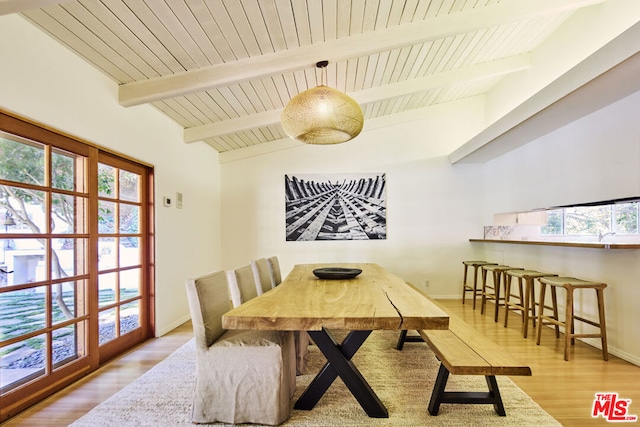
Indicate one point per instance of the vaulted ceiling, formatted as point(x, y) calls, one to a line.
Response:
point(225, 69)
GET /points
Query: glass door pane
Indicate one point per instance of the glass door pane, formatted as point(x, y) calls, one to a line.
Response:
point(43, 262)
point(121, 248)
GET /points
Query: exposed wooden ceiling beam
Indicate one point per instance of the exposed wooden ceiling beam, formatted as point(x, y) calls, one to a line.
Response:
point(155, 89)
point(267, 118)
point(14, 6)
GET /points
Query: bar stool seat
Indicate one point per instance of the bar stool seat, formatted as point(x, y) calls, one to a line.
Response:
point(468, 288)
point(493, 292)
point(571, 284)
point(527, 303)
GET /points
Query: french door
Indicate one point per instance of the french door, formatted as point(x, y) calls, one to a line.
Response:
point(75, 263)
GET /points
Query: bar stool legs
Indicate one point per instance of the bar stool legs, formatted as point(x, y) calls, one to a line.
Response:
point(468, 288)
point(493, 293)
point(570, 284)
point(527, 305)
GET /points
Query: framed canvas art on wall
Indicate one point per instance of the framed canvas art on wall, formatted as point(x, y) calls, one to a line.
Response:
point(348, 206)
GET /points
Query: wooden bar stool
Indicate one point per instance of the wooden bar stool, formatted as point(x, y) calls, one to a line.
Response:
point(570, 284)
point(527, 303)
point(493, 292)
point(468, 288)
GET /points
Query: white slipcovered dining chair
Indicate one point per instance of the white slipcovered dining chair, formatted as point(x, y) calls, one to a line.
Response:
point(242, 285)
point(274, 271)
point(242, 376)
point(302, 339)
point(261, 275)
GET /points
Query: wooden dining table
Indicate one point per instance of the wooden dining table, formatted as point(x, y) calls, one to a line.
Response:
point(374, 300)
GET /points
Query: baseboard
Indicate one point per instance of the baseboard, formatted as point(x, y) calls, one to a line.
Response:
point(595, 342)
point(172, 326)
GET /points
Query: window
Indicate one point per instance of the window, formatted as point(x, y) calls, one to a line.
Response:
point(617, 218)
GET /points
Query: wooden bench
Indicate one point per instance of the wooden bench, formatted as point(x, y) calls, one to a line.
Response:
point(462, 350)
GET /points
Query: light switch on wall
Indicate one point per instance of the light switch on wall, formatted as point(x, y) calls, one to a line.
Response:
point(179, 200)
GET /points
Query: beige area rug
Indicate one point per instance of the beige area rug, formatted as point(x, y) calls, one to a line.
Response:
point(402, 379)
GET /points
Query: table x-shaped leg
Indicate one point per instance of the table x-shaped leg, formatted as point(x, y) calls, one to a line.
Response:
point(339, 363)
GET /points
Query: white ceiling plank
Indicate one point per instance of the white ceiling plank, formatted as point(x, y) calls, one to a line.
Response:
point(221, 25)
point(237, 108)
point(166, 13)
point(421, 10)
point(357, 17)
point(340, 49)
point(207, 99)
point(383, 62)
point(259, 102)
point(316, 22)
point(372, 66)
point(204, 108)
point(350, 78)
point(339, 70)
point(344, 19)
point(330, 18)
point(372, 95)
point(370, 15)
point(262, 94)
point(200, 42)
point(400, 63)
point(384, 13)
point(15, 6)
point(274, 26)
point(258, 15)
point(450, 56)
point(414, 51)
point(480, 71)
point(83, 33)
point(104, 29)
point(395, 13)
point(222, 103)
point(135, 32)
point(203, 16)
point(240, 25)
point(283, 91)
point(363, 63)
point(302, 25)
point(41, 18)
point(161, 32)
point(438, 60)
point(287, 23)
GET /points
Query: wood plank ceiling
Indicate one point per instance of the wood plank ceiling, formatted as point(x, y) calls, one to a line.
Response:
point(225, 69)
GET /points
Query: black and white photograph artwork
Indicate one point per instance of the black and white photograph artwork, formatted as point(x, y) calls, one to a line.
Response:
point(336, 206)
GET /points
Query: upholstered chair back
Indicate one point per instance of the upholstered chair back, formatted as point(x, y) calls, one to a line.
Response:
point(274, 270)
point(261, 275)
point(242, 285)
point(208, 301)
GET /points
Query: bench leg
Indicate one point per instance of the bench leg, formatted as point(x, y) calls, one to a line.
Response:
point(403, 338)
point(440, 396)
point(437, 395)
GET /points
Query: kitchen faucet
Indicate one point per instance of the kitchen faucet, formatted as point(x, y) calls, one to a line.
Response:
point(602, 236)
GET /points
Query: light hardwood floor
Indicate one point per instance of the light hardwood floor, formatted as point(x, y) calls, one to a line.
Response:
point(564, 389)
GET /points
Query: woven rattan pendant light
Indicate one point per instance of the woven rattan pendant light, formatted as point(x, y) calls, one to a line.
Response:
point(322, 115)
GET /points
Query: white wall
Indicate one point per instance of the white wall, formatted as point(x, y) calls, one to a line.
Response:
point(595, 158)
point(45, 82)
point(432, 207)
